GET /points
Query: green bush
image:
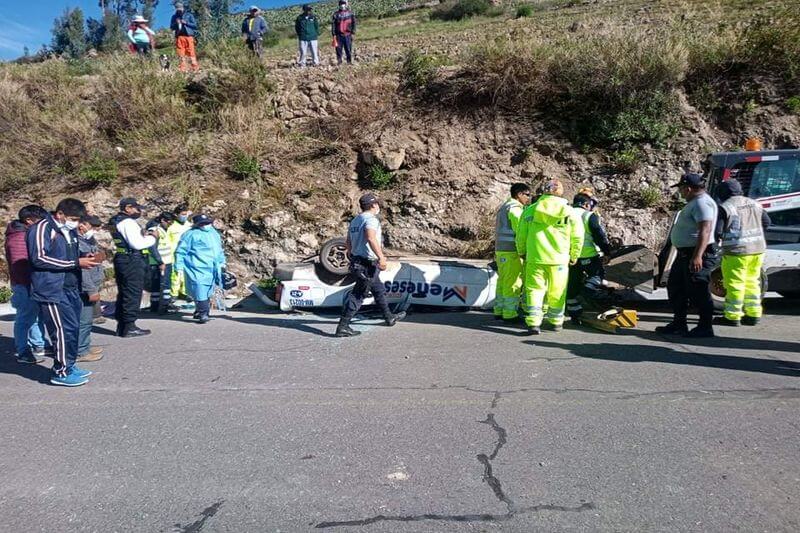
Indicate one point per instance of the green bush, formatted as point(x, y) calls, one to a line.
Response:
point(614, 89)
point(793, 104)
point(99, 170)
point(650, 196)
point(5, 294)
point(418, 69)
point(267, 284)
point(379, 177)
point(627, 160)
point(525, 10)
point(460, 9)
point(244, 166)
point(495, 11)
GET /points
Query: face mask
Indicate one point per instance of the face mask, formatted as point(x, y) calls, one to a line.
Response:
point(89, 234)
point(378, 211)
point(71, 224)
point(136, 215)
point(182, 218)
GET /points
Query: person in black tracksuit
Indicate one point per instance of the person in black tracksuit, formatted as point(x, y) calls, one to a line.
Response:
point(56, 285)
point(129, 266)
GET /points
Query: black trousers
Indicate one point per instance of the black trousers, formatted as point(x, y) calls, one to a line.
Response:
point(129, 271)
point(366, 273)
point(579, 273)
point(685, 287)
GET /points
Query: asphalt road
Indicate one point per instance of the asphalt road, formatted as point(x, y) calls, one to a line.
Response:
point(446, 422)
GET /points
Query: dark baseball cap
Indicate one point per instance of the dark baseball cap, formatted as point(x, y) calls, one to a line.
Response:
point(202, 220)
point(692, 180)
point(92, 220)
point(125, 202)
point(306, 7)
point(368, 200)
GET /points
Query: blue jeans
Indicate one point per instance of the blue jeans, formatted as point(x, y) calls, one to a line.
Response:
point(28, 328)
point(85, 328)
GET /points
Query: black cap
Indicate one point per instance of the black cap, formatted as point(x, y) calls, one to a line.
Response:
point(306, 7)
point(367, 201)
point(202, 220)
point(125, 202)
point(729, 188)
point(691, 179)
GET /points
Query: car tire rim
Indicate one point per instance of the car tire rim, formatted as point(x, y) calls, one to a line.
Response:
point(337, 257)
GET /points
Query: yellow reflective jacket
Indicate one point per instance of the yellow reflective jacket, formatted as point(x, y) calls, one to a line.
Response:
point(550, 232)
point(174, 233)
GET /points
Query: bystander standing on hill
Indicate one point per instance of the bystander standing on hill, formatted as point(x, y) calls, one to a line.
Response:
point(343, 28)
point(254, 27)
point(306, 26)
point(28, 327)
point(141, 36)
point(184, 25)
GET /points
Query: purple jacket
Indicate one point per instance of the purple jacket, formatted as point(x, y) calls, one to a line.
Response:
point(19, 267)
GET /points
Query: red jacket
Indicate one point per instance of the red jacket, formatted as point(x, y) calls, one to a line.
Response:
point(19, 268)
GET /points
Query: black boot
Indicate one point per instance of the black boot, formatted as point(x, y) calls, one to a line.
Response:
point(392, 319)
point(344, 330)
point(673, 328)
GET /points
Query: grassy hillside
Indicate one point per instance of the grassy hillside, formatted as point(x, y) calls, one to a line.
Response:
point(618, 82)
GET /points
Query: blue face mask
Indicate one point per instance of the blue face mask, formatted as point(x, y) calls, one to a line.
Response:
point(182, 218)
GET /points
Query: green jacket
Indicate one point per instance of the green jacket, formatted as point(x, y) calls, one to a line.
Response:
point(307, 27)
point(550, 232)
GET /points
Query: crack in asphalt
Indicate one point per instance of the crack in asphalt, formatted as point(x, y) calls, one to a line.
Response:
point(488, 476)
point(551, 359)
point(688, 394)
point(199, 524)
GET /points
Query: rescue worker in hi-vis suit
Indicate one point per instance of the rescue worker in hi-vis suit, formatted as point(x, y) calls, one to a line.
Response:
point(509, 264)
point(589, 267)
point(742, 222)
point(549, 239)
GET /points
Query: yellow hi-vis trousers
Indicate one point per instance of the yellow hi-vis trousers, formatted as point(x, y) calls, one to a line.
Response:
point(545, 286)
point(509, 284)
point(177, 285)
point(741, 275)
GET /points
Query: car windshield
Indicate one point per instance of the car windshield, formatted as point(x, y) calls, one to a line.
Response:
point(768, 178)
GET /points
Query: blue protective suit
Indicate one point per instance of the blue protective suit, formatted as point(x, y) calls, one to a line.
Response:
point(201, 259)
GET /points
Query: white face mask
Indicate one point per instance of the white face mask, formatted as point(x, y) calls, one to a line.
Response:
point(89, 234)
point(378, 211)
point(71, 224)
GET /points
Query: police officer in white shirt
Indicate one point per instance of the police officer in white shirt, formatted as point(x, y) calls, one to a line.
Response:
point(129, 266)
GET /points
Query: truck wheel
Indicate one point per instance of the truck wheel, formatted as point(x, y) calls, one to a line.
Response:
point(718, 289)
point(333, 256)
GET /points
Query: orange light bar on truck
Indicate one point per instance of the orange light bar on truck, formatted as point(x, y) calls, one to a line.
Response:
point(752, 144)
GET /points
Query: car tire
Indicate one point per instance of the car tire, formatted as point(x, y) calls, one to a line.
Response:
point(333, 256)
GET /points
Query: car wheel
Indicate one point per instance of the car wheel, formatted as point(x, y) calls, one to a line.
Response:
point(333, 256)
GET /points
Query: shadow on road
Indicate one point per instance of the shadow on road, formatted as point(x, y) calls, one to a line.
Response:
point(9, 365)
point(627, 353)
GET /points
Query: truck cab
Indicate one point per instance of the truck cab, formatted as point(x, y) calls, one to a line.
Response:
point(772, 178)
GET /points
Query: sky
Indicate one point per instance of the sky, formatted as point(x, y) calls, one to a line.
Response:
point(25, 23)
